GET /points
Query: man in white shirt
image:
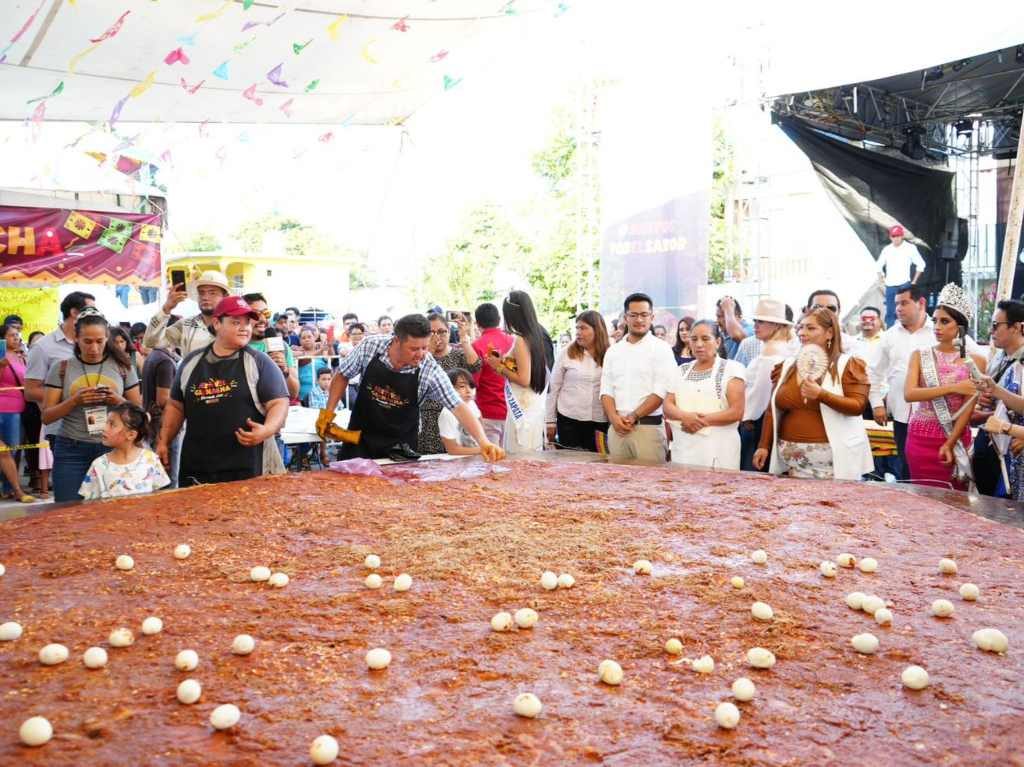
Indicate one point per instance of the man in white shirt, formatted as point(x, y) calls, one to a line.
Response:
point(894, 264)
point(634, 379)
point(890, 357)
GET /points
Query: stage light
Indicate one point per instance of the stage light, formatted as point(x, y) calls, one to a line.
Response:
point(935, 73)
point(963, 127)
point(1020, 54)
point(961, 64)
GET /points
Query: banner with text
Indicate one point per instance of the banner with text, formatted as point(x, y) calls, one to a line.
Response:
point(56, 246)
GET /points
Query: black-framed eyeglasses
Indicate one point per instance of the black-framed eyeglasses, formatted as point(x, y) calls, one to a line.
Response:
point(831, 307)
point(996, 324)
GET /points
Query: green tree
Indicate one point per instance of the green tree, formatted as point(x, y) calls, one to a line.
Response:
point(464, 274)
point(723, 250)
point(301, 239)
point(200, 242)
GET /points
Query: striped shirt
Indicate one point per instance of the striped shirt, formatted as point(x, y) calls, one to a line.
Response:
point(434, 382)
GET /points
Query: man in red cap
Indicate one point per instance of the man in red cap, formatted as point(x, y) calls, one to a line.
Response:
point(894, 264)
point(234, 399)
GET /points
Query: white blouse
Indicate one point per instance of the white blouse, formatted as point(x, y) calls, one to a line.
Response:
point(575, 389)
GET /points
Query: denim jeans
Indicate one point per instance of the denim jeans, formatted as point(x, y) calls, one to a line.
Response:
point(890, 304)
point(10, 433)
point(71, 461)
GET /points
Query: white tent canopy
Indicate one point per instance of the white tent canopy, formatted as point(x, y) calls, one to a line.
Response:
point(360, 62)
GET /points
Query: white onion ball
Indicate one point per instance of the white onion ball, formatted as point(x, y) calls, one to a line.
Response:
point(855, 600)
point(872, 604)
point(225, 717)
point(95, 657)
point(259, 574)
point(189, 691)
point(186, 660)
point(737, 582)
point(914, 678)
point(526, 617)
point(372, 561)
point(53, 654)
point(947, 566)
point(727, 715)
point(373, 581)
point(942, 608)
point(743, 689)
point(121, 637)
point(674, 647)
point(2, 569)
point(323, 749)
point(883, 617)
point(643, 567)
point(243, 644)
point(501, 622)
point(762, 611)
point(378, 658)
point(124, 562)
point(152, 625)
point(278, 580)
point(868, 565)
point(548, 580)
point(759, 556)
point(527, 704)
point(35, 731)
point(182, 551)
point(759, 657)
point(610, 672)
point(846, 560)
point(704, 664)
point(990, 640)
point(566, 581)
point(403, 582)
point(10, 631)
point(866, 644)
point(828, 569)
point(969, 592)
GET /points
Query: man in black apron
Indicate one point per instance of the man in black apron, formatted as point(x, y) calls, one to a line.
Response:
point(214, 391)
point(397, 375)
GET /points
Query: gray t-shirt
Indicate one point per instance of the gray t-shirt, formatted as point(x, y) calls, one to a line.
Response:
point(81, 375)
point(51, 348)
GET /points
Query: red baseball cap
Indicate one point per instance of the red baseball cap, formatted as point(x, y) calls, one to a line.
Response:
point(896, 231)
point(234, 306)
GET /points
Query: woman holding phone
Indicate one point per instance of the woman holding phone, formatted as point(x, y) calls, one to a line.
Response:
point(78, 392)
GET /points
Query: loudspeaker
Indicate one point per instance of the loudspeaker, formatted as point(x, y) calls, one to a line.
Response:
point(954, 240)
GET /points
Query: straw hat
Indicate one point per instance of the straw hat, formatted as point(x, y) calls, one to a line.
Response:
point(213, 278)
point(771, 310)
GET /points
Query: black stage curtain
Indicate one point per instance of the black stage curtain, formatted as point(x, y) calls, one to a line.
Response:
point(873, 190)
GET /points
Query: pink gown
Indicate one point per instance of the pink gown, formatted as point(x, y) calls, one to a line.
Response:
point(925, 434)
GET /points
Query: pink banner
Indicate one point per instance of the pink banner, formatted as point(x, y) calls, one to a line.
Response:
point(61, 246)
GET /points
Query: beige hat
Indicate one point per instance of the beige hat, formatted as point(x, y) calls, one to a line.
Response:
point(213, 278)
point(771, 310)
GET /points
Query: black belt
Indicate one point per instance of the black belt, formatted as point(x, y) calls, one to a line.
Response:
point(649, 420)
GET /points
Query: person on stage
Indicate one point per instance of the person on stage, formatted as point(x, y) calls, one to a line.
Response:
point(397, 375)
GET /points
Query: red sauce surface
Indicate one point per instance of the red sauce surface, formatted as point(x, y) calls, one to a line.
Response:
point(476, 546)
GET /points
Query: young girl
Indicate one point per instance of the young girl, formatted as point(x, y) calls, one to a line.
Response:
point(455, 439)
point(129, 468)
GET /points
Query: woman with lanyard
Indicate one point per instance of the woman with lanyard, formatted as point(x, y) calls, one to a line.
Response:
point(940, 381)
point(574, 410)
point(813, 427)
point(449, 358)
point(526, 376)
point(706, 400)
point(12, 405)
point(78, 392)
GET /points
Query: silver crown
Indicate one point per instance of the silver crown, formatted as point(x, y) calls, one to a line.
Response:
point(957, 299)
